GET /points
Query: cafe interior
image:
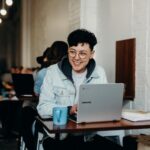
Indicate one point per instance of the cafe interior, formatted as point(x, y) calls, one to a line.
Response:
point(28, 27)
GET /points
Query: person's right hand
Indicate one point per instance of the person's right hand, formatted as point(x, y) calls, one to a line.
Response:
point(73, 109)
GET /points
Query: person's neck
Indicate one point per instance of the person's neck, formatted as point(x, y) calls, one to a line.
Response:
point(79, 73)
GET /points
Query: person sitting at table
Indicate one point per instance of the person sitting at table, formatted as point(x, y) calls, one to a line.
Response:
point(50, 56)
point(61, 87)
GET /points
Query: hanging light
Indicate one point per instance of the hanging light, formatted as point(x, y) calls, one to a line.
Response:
point(9, 2)
point(3, 11)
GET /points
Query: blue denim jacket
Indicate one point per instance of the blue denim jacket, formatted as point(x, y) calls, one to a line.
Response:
point(39, 80)
point(58, 87)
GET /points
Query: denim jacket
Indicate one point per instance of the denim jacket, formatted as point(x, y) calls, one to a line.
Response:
point(39, 80)
point(58, 87)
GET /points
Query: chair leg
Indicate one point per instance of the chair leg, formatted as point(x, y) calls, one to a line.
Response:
point(22, 144)
point(40, 141)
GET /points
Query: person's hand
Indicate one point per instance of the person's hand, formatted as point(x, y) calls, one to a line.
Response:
point(73, 109)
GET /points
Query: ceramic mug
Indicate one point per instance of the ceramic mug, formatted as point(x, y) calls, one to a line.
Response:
point(60, 115)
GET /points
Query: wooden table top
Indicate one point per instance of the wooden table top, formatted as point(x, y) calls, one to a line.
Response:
point(71, 126)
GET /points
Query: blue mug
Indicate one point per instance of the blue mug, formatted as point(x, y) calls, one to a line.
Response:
point(60, 115)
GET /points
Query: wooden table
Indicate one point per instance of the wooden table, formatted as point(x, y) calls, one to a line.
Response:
point(72, 127)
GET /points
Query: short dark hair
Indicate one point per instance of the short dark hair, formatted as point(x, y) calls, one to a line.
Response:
point(82, 36)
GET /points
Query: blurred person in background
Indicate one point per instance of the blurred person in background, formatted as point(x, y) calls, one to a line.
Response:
point(50, 56)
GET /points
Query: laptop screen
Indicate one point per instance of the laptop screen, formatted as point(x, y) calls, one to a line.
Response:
point(23, 84)
point(100, 102)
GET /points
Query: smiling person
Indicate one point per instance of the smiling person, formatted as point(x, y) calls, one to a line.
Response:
point(61, 86)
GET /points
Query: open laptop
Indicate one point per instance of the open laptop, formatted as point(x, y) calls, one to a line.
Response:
point(23, 84)
point(99, 102)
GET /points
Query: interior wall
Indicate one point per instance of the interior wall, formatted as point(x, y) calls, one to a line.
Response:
point(119, 20)
point(114, 23)
point(74, 14)
point(44, 22)
point(49, 23)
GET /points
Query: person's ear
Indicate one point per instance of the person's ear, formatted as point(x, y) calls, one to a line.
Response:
point(92, 54)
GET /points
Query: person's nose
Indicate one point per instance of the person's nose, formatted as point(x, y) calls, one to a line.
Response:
point(77, 56)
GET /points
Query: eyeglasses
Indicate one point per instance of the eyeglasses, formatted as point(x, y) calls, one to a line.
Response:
point(81, 54)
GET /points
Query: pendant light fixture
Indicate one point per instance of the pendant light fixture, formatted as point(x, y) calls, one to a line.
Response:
point(9, 2)
point(3, 11)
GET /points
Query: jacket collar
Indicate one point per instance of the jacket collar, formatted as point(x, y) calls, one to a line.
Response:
point(66, 68)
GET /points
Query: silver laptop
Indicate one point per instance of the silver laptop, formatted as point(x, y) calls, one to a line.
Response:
point(99, 102)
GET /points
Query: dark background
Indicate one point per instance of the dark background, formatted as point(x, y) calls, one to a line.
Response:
point(10, 37)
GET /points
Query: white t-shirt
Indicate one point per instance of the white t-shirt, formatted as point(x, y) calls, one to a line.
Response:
point(78, 79)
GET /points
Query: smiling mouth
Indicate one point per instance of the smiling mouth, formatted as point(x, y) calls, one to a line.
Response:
point(76, 63)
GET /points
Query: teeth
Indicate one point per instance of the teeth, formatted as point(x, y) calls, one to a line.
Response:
point(76, 63)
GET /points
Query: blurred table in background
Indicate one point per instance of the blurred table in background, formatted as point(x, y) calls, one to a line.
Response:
point(10, 111)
